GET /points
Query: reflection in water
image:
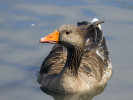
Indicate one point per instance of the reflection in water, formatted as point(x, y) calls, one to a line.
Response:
point(77, 96)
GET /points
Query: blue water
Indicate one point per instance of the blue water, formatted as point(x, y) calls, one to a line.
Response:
point(24, 22)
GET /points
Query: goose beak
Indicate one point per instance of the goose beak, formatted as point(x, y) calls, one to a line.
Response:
point(51, 38)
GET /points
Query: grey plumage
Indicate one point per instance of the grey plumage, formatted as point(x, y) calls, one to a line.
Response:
point(94, 55)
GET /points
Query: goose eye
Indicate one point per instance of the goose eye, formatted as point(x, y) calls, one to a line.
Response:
point(67, 32)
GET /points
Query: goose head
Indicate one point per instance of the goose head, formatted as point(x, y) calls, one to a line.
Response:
point(69, 36)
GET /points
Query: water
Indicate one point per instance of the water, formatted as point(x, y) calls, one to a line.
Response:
point(24, 22)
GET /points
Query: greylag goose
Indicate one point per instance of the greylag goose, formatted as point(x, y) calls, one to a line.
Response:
point(79, 61)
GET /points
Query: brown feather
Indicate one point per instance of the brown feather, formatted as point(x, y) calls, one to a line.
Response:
point(92, 68)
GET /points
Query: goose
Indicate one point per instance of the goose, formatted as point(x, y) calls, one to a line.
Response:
point(79, 60)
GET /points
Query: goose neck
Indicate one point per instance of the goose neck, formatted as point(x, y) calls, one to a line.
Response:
point(73, 61)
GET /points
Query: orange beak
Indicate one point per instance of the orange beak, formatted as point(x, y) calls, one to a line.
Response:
point(51, 38)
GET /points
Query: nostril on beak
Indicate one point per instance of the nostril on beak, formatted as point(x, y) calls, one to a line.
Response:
point(50, 36)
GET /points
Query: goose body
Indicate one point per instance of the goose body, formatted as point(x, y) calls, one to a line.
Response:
point(79, 61)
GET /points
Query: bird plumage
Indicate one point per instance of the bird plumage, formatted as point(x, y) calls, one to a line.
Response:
point(94, 68)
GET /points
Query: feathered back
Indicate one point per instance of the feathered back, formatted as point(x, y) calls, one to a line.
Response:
point(94, 39)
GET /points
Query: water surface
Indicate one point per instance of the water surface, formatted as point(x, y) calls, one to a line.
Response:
point(24, 22)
